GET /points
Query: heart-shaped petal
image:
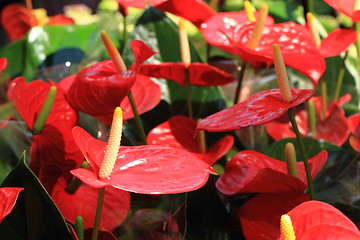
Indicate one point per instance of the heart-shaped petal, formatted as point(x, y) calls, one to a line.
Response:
point(259, 108)
point(223, 25)
point(260, 216)
point(147, 169)
point(319, 220)
point(250, 171)
point(345, 7)
point(337, 41)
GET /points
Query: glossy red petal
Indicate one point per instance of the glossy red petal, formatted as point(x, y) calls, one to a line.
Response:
point(83, 202)
point(250, 171)
point(355, 143)
point(168, 70)
point(16, 20)
point(201, 74)
point(97, 90)
point(295, 42)
point(318, 220)
point(3, 63)
point(345, 7)
point(260, 216)
point(259, 108)
point(178, 132)
point(148, 169)
point(132, 3)
point(223, 26)
point(103, 235)
point(337, 41)
point(8, 197)
point(146, 93)
point(196, 11)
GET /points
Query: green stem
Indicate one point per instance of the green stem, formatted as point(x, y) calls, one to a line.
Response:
point(324, 97)
point(357, 27)
point(100, 201)
point(310, 6)
point(303, 153)
point(239, 82)
point(340, 78)
point(312, 117)
point(124, 35)
point(138, 122)
point(45, 111)
point(188, 95)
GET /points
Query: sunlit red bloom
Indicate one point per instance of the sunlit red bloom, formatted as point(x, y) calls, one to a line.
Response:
point(83, 201)
point(251, 171)
point(319, 220)
point(220, 29)
point(346, 7)
point(54, 144)
point(97, 90)
point(259, 216)
point(259, 108)
point(336, 42)
point(335, 119)
point(8, 197)
point(60, 19)
point(147, 169)
point(354, 127)
point(195, 11)
point(199, 74)
point(179, 132)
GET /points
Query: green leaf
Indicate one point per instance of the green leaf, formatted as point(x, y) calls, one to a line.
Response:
point(34, 216)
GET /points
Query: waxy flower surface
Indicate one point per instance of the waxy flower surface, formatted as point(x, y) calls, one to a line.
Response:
point(97, 90)
point(354, 127)
point(8, 197)
point(259, 108)
point(54, 144)
point(318, 220)
point(251, 171)
point(178, 132)
point(346, 7)
point(199, 74)
point(148, 169)
point(3, 63)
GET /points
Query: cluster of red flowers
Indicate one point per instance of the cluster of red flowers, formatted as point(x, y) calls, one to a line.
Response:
point(176, 159)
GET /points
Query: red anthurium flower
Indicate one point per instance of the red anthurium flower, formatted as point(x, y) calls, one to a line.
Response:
point(337, 42)
point(97, 90)
point(147, 95)
point(132, 3)
point(200, 74)
point(83, 201)
point(8, 197)
point(259, 216)
point(3, 63)
point(335, 119)
point(195, 11)
point(54, 144)
point(259, 108)
point(16, 20)
point(223, 26)
point(179, 132)
point(147, 169)
point(346, 7)
point(251, 171)
point(295, 41)
point(60, 19)
point(354, 127)
point(319, 220)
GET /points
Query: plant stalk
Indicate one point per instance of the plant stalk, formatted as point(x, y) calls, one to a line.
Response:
point(340, 78)
point(138, 122)
point(303, 153)
point(239, 82)
point(100, 201)
point(188, 94)
point(324, 97)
